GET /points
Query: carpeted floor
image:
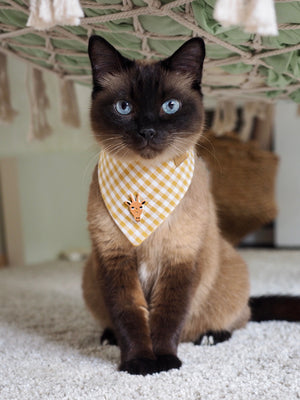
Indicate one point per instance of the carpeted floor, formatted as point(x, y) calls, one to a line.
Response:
point(49, 344)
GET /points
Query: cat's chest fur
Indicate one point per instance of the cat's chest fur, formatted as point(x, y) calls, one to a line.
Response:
point(177, 239)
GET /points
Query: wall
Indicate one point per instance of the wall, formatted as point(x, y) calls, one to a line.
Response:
point(53, 174)
point(53, 192)
point(287, 145)
point(13, 138)
point(2, 243)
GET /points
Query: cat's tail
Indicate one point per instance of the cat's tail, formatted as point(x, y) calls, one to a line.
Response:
point(281, 307)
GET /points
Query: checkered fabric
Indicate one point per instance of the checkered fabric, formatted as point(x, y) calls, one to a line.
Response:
point(161, 186)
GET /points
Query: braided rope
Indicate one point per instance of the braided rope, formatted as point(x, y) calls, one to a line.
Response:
point(181, 11)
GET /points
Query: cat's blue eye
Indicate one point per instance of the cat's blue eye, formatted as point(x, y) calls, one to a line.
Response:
point(123, 107)
point(171, 106)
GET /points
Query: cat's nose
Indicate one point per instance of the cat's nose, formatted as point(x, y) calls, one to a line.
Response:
point(147, 133)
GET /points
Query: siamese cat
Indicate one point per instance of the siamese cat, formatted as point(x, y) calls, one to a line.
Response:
point(183, 280)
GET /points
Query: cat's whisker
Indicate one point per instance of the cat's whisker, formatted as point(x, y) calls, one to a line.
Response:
point(87, 168)
point(116, 147)
point(211, 152)
point(179, 146)
point(108, 139)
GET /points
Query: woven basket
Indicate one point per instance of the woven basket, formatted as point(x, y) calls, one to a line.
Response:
point(243, 183)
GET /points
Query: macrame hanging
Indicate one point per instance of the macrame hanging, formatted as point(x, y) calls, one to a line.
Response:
point(7, 113)
point(39, 103)
point(243, 179)
point(69, 106)
point(255, 16)
point(44, 14)
point(243, 176)
point(263, 126)
point(225, 117)
point(252, 111)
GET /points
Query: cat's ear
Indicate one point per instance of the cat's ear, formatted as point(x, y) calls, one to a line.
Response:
point(188, 59)
point(105, 58)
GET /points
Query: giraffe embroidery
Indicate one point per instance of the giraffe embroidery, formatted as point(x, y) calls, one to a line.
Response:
point(136, 207)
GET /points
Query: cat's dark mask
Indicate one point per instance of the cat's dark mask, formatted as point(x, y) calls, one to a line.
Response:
point(147, 110)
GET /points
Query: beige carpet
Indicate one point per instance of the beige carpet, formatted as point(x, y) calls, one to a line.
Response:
point(49, 344)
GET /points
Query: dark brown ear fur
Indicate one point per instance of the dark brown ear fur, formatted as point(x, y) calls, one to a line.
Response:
point(188, 59)
point(105, 59)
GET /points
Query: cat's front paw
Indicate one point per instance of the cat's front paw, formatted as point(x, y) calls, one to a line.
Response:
point(168, 361)
point(139, 366)
point(108, 337)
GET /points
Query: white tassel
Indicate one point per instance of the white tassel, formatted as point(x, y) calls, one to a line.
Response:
point(229, 12)
point(67, 12)
point(255, 16)
point(41, 14)
point(260, 17)
point(44, 14)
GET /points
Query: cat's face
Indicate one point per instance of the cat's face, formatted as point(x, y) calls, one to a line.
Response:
point(146, 111)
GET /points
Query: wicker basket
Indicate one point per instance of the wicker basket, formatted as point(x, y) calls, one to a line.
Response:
point(243, 183)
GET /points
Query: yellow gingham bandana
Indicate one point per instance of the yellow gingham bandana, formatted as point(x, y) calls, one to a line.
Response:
point(162, 187)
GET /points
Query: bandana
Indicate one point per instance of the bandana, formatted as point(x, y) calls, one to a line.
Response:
point(140, 198)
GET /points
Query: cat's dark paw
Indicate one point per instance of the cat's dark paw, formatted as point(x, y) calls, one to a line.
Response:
point(108, 337)
point(139, 366)
point(168, 361)
point(213, 337)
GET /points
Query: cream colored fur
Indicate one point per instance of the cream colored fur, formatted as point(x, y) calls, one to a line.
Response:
point(220, 295)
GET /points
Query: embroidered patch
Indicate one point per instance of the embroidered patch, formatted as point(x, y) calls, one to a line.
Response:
point(136, 207)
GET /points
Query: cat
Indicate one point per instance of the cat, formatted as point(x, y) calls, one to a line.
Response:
point(183, 281)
